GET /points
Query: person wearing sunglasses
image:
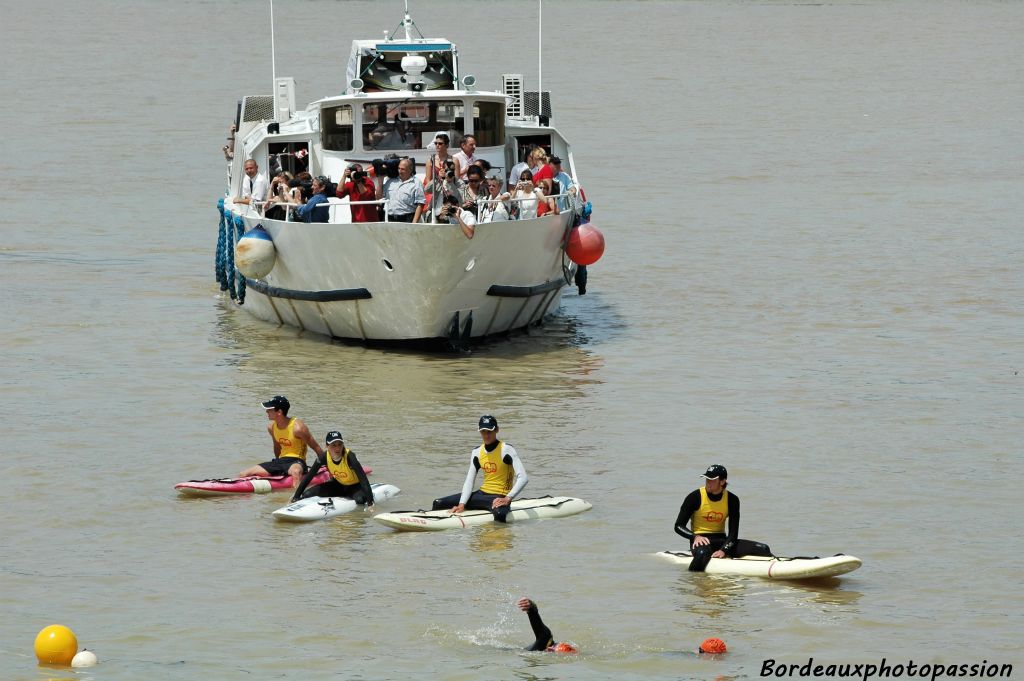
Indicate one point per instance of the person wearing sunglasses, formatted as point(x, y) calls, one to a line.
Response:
point(473, 188)
point(439, 165)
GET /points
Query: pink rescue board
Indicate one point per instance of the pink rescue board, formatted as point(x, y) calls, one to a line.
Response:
point(251, 485)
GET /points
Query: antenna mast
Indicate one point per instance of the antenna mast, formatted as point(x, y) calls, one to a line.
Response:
point(273, 52)
point(540, 61)
point(407, 22)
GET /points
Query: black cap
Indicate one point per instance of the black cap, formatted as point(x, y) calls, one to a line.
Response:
point(555, 160)
point(488, 422)
point(334, 436)
point(277, 402)
point(716, 472)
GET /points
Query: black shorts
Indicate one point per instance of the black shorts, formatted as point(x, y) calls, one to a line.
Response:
point(281, 465)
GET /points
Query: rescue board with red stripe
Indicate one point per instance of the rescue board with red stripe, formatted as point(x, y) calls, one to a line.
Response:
point(218, 487)
point(772, 567)
point(522, 509)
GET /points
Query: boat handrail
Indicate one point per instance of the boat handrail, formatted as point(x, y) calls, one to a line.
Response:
point(383, 203)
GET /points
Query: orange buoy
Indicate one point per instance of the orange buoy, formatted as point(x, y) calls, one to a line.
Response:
point(712, 646)
point(564, 648)
point(586, 244)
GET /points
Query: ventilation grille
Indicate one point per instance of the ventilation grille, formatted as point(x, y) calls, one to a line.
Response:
point(257, 108)
point(530, 107)
point(512, 85)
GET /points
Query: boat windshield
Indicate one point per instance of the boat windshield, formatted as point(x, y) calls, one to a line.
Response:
point(408, 125)
point(337, 124)
point(489, 123)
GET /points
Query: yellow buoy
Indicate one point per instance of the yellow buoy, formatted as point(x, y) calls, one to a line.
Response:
point(56, 644)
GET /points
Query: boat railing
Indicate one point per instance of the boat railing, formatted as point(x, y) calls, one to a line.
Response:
point(571, 196)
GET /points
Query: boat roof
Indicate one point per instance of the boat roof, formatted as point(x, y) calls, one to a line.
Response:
point(437, 51)
point(366, 47)
point(407, 95)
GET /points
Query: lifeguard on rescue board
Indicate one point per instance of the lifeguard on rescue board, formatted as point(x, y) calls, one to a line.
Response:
point(706, 509)
point(504, 476)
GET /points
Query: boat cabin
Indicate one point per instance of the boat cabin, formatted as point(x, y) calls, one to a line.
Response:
point(401, 94)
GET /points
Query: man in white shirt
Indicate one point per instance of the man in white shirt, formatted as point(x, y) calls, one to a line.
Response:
point(254, 184)
point(464, 158)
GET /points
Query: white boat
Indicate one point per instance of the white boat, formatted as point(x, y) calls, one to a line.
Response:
point(388, 280)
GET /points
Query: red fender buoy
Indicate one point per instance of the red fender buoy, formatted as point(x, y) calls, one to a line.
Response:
point(586, 244)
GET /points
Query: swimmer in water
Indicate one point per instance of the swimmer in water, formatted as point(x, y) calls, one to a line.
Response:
point(545, 641)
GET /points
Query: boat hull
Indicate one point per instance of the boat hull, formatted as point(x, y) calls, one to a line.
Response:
point(407, 282)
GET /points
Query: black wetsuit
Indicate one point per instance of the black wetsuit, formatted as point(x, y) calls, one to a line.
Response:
point(540, 630)
point(360, 492)
point(729, 543)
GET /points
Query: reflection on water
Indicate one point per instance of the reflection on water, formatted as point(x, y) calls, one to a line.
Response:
point(493, 537)
point(711, 595)
point(550, 368)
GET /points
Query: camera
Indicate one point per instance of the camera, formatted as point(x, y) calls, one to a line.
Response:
point(387, 167)
point(358, 176)
point(449, 167)
point(305, 187)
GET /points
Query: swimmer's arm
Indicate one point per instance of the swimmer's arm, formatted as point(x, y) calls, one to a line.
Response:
point(541, 633)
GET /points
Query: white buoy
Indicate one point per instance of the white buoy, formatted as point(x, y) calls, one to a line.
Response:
point(86, 658)
point(255, 254)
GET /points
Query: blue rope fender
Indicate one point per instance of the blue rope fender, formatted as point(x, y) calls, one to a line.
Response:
point(239, 278)
point(218, 265)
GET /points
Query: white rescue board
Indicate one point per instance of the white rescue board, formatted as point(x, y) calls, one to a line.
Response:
point(771, 567)
point(320, 508)
point(522, 509)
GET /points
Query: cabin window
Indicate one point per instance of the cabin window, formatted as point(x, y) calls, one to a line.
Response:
point(395, 126)
point(489, 124)
point(337, 125)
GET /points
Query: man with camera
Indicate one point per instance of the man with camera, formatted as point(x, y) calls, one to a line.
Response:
point(405, 197)
point(454, 214)
point(356, 185)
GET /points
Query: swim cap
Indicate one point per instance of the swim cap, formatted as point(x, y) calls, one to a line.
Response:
point(564, 648)
point(713, 646)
